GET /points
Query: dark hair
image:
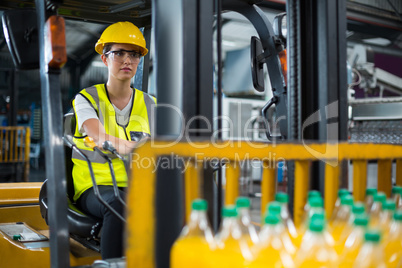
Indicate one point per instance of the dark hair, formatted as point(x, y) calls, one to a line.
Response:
point(107, 47)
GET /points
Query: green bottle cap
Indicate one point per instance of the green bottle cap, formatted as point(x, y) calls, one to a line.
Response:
point(274, 207)
point(272, 219)
point(361, 221)
point(389, 204)
point(372, 236)
point(229, 211)
point(358, 208)
point(342, 192)
point(242, 202)
point(313, 193)
point(316, 225)
point(398, 216)
point(199, 204)
point(318, 216)
point(316, 202)
point(371, 191)
point(396, 189)
point(347, 200)
point(282, 197)
point(380, 197)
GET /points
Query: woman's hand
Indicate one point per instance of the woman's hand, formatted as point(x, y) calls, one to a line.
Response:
point(94, 129)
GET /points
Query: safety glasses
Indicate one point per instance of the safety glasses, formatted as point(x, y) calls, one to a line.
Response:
point(121, 55)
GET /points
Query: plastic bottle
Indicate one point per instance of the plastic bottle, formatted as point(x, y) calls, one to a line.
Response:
point(328, 237)
point(371, 255)
point(232, 250)
point(370, 193)
point(275, 208)
point(193, 247)
point(271, 251)
point(387, 214)
point(272, 207)
point(341, 192)
point(314, 250)
point(353, 242)
point(358, 208)
point(376, 209)
point(315, 207)
point(283, 199)
point(396, 196)
point(393, 244)
point(311, 194)
point(246, 227)
point(340, 226)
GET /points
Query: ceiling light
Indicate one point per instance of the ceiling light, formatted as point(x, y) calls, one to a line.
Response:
point(377, 41)
point(229, 43)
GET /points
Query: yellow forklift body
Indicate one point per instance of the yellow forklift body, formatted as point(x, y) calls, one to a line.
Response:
point(19, 205)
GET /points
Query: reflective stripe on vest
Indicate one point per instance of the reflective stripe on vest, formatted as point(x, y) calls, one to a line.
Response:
point(137, 126)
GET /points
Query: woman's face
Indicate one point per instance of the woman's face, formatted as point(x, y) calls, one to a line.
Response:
point(121, 63)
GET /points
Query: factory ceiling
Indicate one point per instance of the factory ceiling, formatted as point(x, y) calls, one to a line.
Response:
point(370, 22)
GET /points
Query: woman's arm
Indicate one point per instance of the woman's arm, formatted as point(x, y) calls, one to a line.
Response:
point(94, 129)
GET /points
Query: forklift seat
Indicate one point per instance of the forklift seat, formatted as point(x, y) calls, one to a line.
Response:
point(82, 227)
point(79, 224)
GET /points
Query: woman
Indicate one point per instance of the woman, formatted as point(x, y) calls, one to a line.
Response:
point(112, 112)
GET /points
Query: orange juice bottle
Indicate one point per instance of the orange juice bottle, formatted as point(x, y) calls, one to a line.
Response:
point(387, 214)
point(358, 209)
point(314, 250)
point(275, 208)
point(271, 251)
point(247, 228)
point(376, 209)
point(315, 206)
point(311, 194)
point(396, 196)
point(371, 255)
point(193, 247)
point(232, 249)
point(340, 226)
point(328, 237)
point(353, 242)
point(369, 200)
point(393, 244)
point(341, 192)
point(283, 199)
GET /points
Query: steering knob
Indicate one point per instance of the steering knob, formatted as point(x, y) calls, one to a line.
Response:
point(108, 146)
point(89, 142)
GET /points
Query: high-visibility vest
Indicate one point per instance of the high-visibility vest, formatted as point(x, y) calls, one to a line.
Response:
point(139, 125)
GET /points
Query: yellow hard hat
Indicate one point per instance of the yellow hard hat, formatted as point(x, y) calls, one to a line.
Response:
point(124, 33)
